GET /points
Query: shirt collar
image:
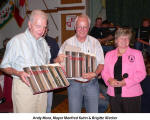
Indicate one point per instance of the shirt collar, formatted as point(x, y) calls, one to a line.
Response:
point(30, 35)
point(127, 51)
point(86, 40)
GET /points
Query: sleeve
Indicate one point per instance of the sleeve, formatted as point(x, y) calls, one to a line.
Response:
point(54, 51)
point(48, 55)
point(99, 53)
point(137, 32)
point(105, 73)
point(140, 72)
point(92, 32)
point(62, 48)
point(10, 54)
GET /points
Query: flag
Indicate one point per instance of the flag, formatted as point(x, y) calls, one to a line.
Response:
point(6, 9)
point(19, 11)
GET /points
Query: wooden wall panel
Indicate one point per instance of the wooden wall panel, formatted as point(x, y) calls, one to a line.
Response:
point(66, 33)
point(70, 1)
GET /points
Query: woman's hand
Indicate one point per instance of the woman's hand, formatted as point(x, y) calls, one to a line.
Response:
point(121, 83)
point(113, 82)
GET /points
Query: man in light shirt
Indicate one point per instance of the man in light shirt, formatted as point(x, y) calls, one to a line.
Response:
point(27, 49)
point(85, 88)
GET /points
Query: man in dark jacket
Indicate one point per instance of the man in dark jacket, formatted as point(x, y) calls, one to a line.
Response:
point(54, 49)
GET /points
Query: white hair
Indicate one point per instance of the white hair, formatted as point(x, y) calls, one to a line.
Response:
point(37, 12)
point(82, 16)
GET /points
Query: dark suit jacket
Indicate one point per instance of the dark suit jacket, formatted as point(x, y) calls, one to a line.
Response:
point(54, 48)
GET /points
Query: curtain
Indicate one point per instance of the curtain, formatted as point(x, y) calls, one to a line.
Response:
point(94, 8)
point(127, 12)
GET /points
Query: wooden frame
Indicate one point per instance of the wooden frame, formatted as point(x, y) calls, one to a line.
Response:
point(60, 9)
point(70, 1)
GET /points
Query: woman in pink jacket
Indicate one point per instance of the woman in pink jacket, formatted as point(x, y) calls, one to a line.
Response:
point(123, 71)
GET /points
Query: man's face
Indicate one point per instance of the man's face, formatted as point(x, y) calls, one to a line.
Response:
point(82, 28)
point(98, 23)
point(37, 27)
point(146, 23)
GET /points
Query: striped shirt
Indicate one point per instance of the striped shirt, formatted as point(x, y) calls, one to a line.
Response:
point(24, 50)
point(90, 46)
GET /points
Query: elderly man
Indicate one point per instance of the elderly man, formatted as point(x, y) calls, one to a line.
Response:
point(80, 90)
point(23, 50)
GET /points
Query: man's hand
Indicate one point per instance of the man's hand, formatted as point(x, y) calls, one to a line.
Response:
point(142, 41)
point(89, 75)
point(60, 58)
point(11, 71)
point(102, 96)
point(23, 75)
point(102, 41)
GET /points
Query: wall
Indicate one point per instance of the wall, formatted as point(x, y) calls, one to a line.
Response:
point(11, 28)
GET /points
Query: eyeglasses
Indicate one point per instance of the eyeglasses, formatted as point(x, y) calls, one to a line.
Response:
point(39, 26)
point(82, 27)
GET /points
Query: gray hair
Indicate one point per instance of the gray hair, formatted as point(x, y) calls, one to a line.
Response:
point(123, 32)
point(82, 16)
point(37, 12)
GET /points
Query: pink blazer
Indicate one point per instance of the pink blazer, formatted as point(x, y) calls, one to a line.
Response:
point(133, 65)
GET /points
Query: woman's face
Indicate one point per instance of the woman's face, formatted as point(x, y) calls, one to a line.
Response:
point(123, 42)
